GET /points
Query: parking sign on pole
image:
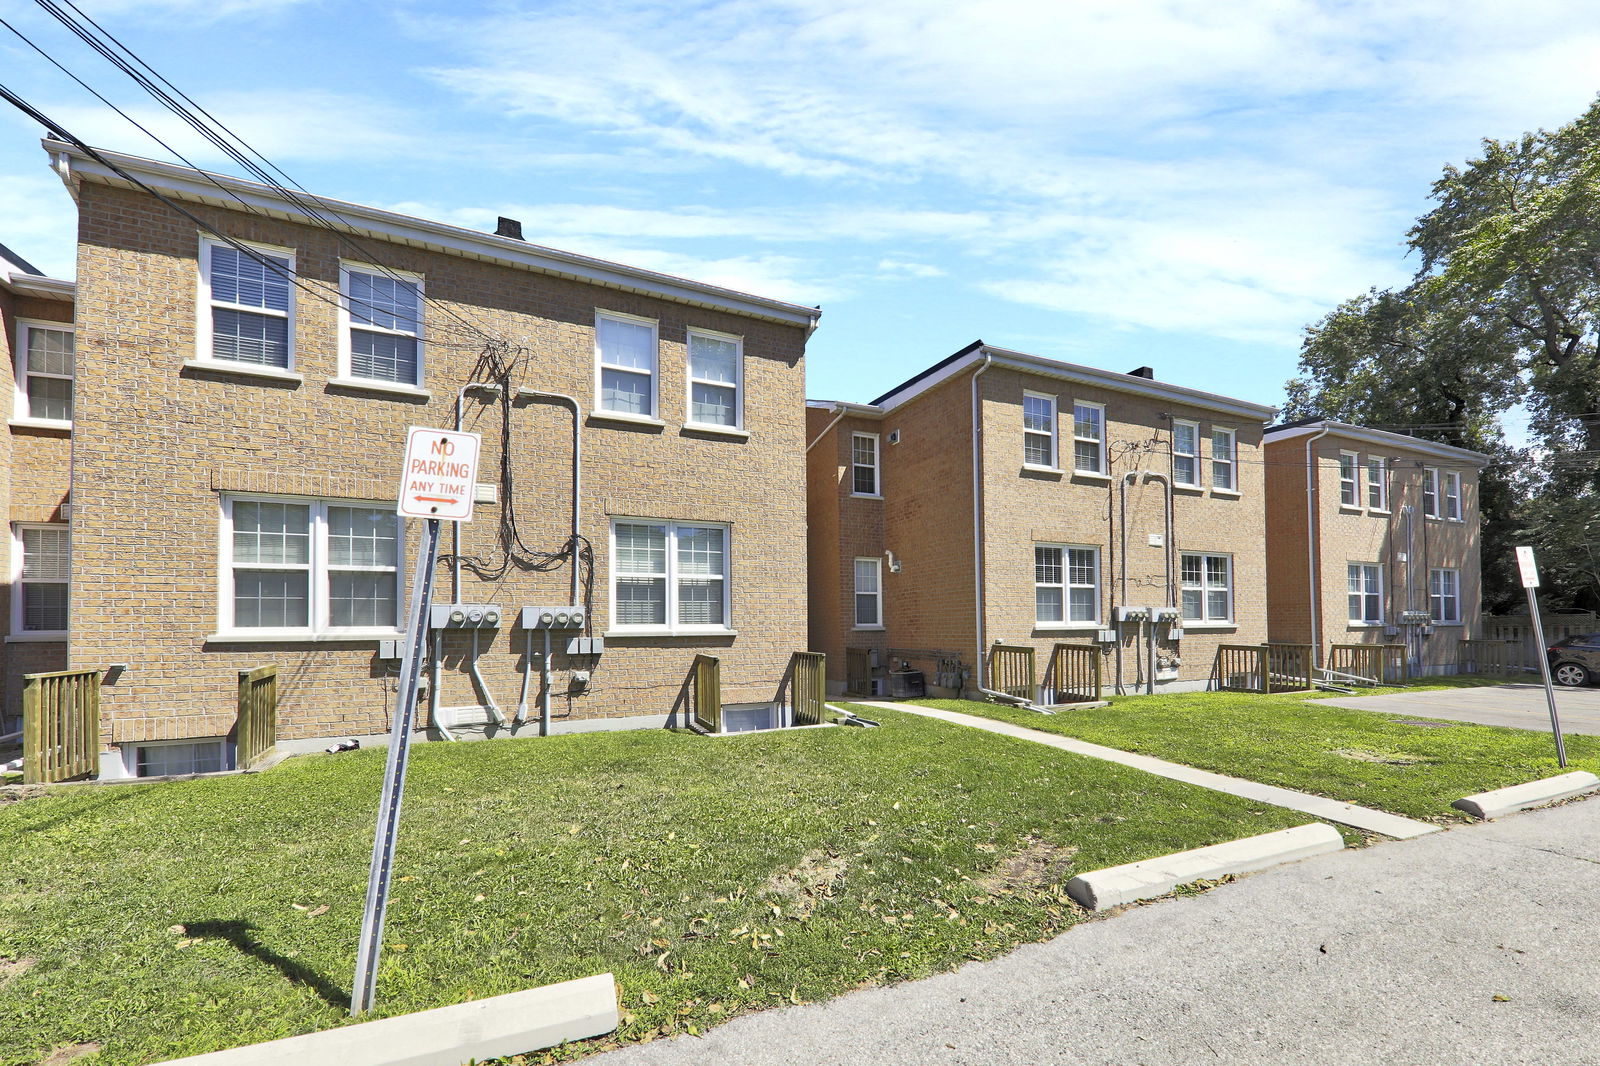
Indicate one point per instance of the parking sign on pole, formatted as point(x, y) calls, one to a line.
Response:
point(1528, 568)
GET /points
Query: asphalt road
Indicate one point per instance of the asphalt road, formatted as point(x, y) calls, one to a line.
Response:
point(1394, 954)
point(1517, 706)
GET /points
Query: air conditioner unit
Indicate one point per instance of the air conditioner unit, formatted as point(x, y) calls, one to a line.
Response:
point(465, 616)
point(551, 618)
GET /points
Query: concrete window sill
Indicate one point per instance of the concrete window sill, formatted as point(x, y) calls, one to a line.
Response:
point(217, 366)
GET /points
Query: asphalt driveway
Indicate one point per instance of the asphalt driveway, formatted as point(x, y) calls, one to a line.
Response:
point(1520, 706)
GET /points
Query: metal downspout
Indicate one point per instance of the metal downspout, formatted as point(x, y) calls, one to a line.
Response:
point(977, 518)
point(1313, 549)
point(842, 411)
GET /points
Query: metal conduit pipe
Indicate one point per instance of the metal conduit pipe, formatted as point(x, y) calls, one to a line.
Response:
point(544, 693)
point(977, 517)
point(433, 685)
point(527, 672)
point(483, 687)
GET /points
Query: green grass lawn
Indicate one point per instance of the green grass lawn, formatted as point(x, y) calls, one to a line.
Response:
point(1298, 742)
point(712, 876)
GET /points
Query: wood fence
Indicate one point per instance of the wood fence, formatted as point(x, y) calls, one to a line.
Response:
point(1011, 671)
point(808, 678)
point(256, 734)
point(858, 671)
point(706, 675)
point(1491, 657)
point(1517, 631)
point(1073, 675)
point(60, 725)
point(1263, 668)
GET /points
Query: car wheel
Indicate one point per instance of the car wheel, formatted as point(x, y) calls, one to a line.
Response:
point(1571, 675)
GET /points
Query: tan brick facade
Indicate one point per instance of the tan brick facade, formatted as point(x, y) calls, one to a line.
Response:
point(931, 608)
point(159, 446)
point(1309, 582)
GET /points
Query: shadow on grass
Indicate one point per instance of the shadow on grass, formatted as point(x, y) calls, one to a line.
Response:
point(239, 934)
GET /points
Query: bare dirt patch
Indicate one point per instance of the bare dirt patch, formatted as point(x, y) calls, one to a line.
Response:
point(18, 793)
point(807, 883)
point(1038, 865)
point(11, 969)
point(1387, 758)
point(71, 1053)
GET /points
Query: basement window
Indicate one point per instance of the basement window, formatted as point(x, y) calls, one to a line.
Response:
point(177, 757)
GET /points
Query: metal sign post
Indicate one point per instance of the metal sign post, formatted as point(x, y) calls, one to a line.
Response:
point(439, 474)
point(1530, 582)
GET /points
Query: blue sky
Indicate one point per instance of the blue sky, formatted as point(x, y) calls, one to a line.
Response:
point(1179, 184)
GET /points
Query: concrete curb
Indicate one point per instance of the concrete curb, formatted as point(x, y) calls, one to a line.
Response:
point(447, 1036)
point(1116, 885)
point(1504, 801)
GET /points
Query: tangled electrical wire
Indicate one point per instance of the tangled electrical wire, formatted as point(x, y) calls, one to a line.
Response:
point(498, 366)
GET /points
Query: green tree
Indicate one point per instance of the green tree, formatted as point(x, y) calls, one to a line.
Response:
point(1504, 310)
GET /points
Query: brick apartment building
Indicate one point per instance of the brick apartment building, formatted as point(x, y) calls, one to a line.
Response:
point(242, 391)
point(1372, 539)
point(1004, 496)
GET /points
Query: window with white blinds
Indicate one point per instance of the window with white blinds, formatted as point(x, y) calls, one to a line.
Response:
point(250, 318)
point(383, 312)
point(45, 359)
point(668, 577)
point(43, 581)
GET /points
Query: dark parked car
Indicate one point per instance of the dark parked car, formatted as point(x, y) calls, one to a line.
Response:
point(1575, 660)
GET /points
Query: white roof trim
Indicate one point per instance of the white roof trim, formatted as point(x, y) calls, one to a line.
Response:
point(182, 183)
point(1381, 437)
point(1086, 375)
point(864, 410)
point(37, 285)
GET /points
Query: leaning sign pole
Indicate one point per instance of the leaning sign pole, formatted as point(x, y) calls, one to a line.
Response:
point(436, 485)
point(1530, 581)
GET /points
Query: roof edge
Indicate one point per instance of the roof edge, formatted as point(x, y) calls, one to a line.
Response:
point(1307, 427)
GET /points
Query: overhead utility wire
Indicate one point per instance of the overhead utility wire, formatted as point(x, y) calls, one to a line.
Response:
point(221, 142)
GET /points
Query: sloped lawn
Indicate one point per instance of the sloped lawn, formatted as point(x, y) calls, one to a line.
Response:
point(712, 876)
point(1299, 742)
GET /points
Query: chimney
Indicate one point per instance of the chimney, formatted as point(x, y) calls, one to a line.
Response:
point(1143, 372)
point(509, 227)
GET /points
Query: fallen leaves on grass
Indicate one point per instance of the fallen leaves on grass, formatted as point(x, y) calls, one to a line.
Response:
point(1038, 864)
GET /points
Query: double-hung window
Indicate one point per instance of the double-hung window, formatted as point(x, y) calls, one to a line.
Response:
point(250, 314)
point(1089, 438)
point(1186, 454)
point(869, 593)
point(1207, 581)
point(39, 600)
point(1430, 491)
point(45, 356)
point(1223, 464)
point(716, 374)
point(625, 354)
point(1066, 584)
point(382, 325)
point(1444, 596)
point(668, 577)
point(1377, 483)
point(1349, 479)
point(1452, 496)
point(864, 465)
point(1365, 584)
point(306, 567)
point(1038, 430)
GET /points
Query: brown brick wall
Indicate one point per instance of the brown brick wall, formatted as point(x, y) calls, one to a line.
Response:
point(156, 445)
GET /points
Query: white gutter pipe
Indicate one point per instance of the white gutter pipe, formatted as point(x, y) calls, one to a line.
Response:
point(837, 418)
point(1314, 548)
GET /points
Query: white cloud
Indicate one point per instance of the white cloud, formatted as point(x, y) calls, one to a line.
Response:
point(902, 268)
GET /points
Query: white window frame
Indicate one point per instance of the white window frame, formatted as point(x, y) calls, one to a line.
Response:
point(1430, 493)
point(1193, 457)
point(1052, 441)
point(1349, 480)
point(22, 410)
point(1436, 596)
point(691, 381)
point(131, 752)
point(317, 569)
point(1206, 619)
point(347, 375)
point(1100, 469)
point(204, 349)
point(18, 633)
point(1452, 497)
point(876, 467)
point(1066, 585)
point(1229, 461)
point(599, 410)
point(1366, 593)
point(1378, 484)
point(672, 577)
point(877, 596)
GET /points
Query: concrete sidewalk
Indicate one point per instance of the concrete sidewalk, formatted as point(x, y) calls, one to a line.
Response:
point(1458, 949)
point(1365, 818)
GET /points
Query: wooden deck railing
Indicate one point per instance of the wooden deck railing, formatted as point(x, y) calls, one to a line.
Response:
point(1263, 668)
point(707, 685)
point(60, 725)
point(1011, 671)
point(1290, 667)
point(858, 671)
point(808, 676)
point(1074, 674)
point(257, 731)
